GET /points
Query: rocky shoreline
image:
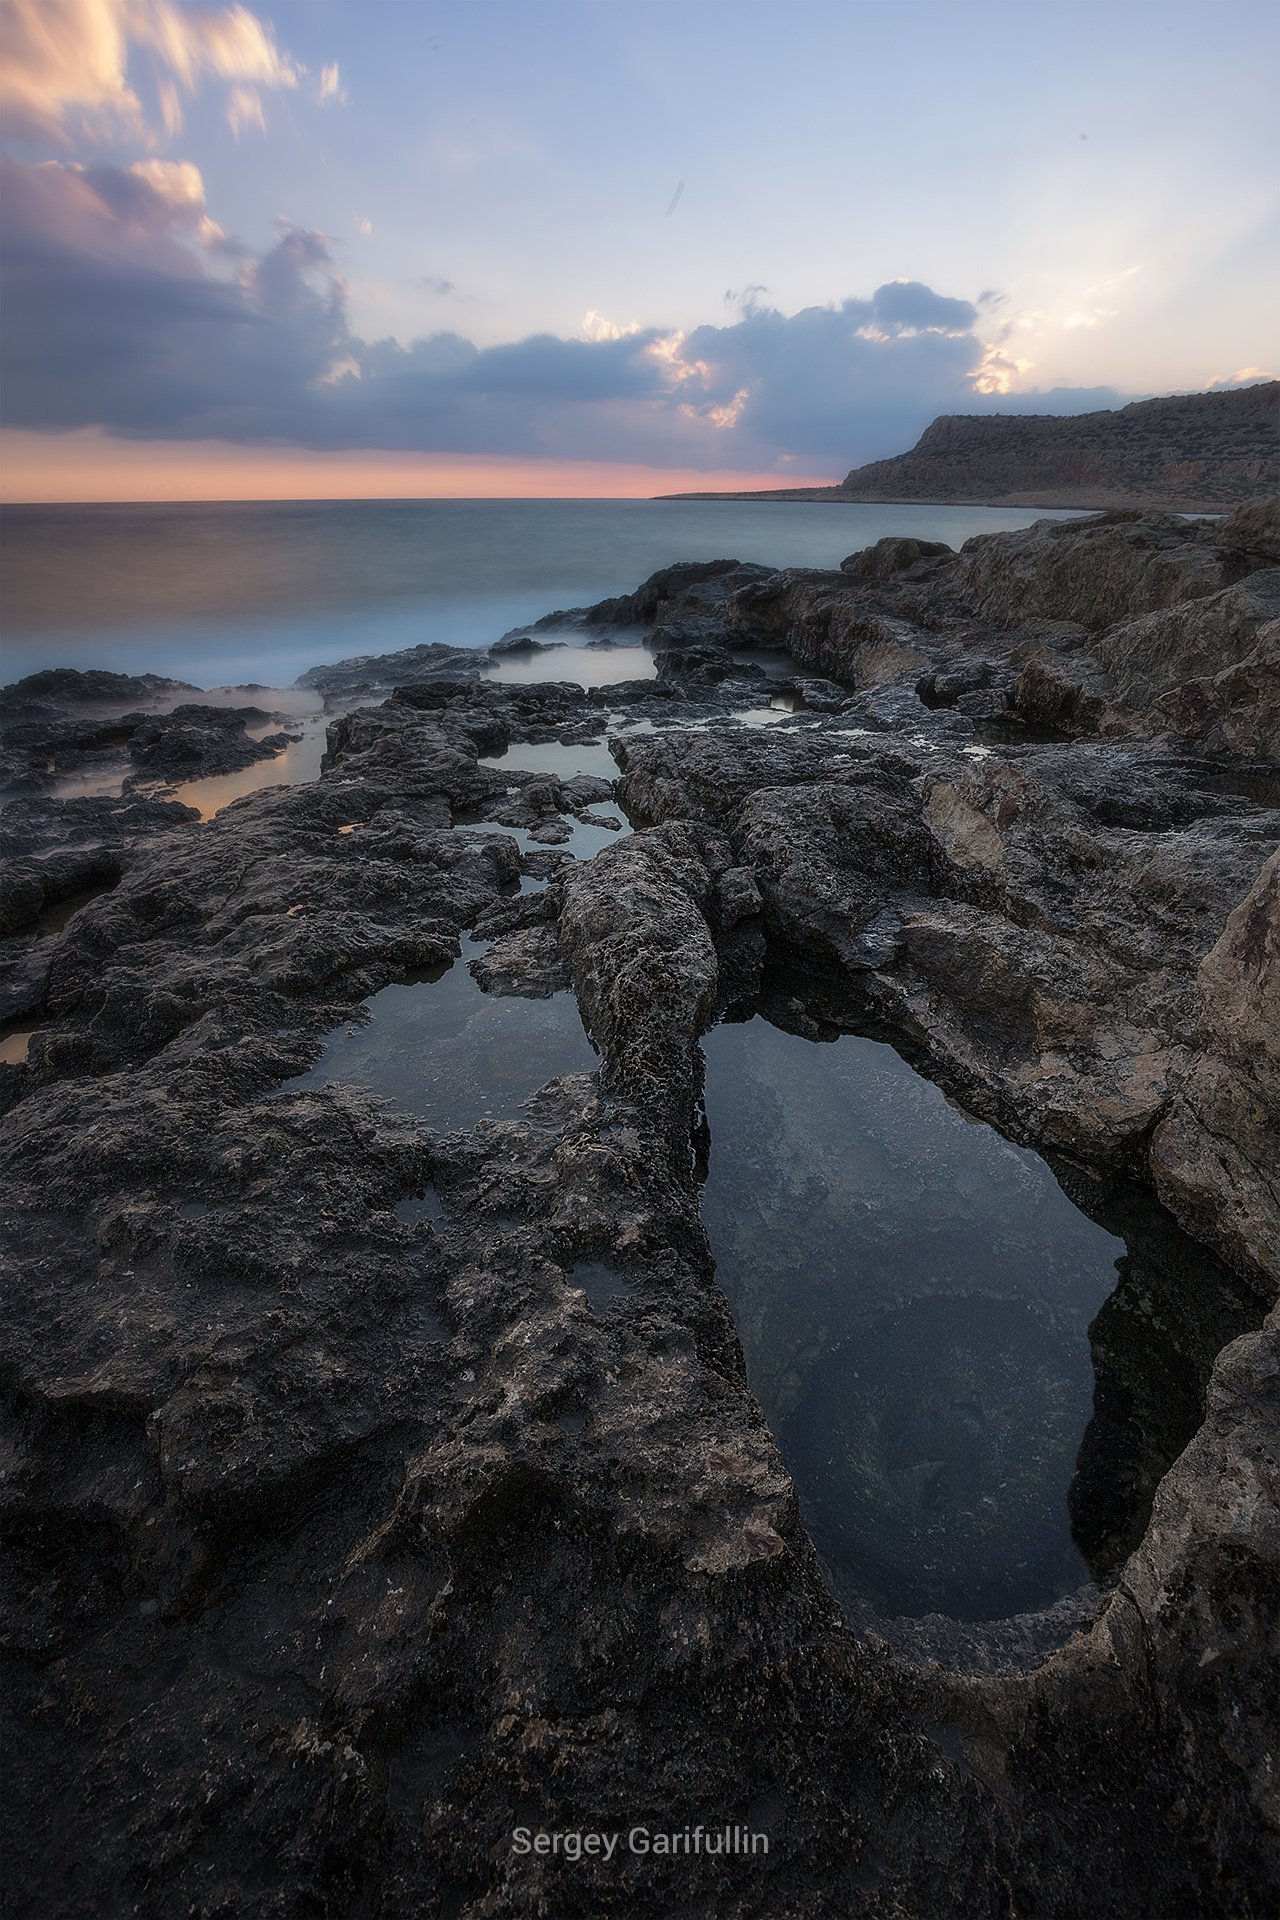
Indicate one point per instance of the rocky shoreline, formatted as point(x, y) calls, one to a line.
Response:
point(377, 1490)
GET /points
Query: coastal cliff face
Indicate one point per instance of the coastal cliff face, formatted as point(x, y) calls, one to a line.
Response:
point(1199, 451)
point(380, 1487)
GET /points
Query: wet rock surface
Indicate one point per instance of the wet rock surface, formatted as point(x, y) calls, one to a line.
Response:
point(380, 1484)
point(60, 724)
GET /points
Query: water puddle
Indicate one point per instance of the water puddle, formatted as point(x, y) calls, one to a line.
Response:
point(14, 1044)
point(92, 783)
point(585, 839)
point(210, 793)
point(604, 1286)
point(419, 1208)
point(299, 763)
point(438, 1047)
point(780, 707)
point(553, 757)
point(198, 1209)
point(580, 666)
point(914, 1296)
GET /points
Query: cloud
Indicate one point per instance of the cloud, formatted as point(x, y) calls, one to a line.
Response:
point(435, 283)
point(1242, 377)
point(129, 310)
point(126, 306)
point(65, 66)
point(825, 379)
point(329, 86)
point(906, 306)
point(596, 327)
point(244, 109)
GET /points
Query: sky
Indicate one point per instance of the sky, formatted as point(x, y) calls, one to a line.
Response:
point(576, 247)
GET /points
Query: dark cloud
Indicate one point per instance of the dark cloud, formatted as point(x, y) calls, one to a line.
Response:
point(828, 378)
point(435, 283)
point(908, 305)
point(574, 370)
point(128, 309)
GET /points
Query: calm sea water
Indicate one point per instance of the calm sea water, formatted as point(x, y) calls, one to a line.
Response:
point(223, 594)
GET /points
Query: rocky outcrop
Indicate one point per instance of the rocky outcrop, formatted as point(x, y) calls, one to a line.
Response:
point(379, 1487)
point(55, 689)
point(1213, 1155)
point(47, 737)
point(1199, 451)
point(1112, 567)
point(1117, 624)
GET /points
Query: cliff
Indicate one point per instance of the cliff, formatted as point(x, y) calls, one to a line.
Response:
point(1197, 452)
point(1197, 449)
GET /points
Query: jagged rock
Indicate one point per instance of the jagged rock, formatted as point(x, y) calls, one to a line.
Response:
point(522, 643)
point(1214, 1154)
point(1160, 651)
point(1196, 451)
point(707, 665)
point(1108, 568)
point(378, 1486)
point(1235, 711)
point(374, 672)
point(47, 733)
point(1120, 623)
point(1250, 534)
point(894, 555)
point(56, 688)
point(195, 739)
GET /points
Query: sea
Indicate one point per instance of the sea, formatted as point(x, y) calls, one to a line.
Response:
point(252, 592)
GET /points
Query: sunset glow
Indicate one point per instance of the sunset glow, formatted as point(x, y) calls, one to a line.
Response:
point(361, 252)
point(88, 465)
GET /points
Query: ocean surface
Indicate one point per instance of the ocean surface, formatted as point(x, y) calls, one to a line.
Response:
point(227, 594)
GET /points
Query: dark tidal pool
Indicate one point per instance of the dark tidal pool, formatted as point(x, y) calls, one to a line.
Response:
point(916, 1297)
point(437, 1046)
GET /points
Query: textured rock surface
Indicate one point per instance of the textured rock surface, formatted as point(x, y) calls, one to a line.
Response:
point(1119, 623)
point(59, 729)
point(375, 1489)
point(1214, 1153)
point(1196, 450)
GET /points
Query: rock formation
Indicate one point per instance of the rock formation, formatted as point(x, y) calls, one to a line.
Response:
point(377, 1489)
point(1199, 452)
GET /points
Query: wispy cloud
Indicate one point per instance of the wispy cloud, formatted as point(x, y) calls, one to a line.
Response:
point(244, 109)
point(66, 67)
point(329, 86)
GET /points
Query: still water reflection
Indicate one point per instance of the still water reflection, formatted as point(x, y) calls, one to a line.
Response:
point(439, 1047)
point(913, 1295)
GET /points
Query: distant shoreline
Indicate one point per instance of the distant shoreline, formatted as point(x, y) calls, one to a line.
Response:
point(1091, 503)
